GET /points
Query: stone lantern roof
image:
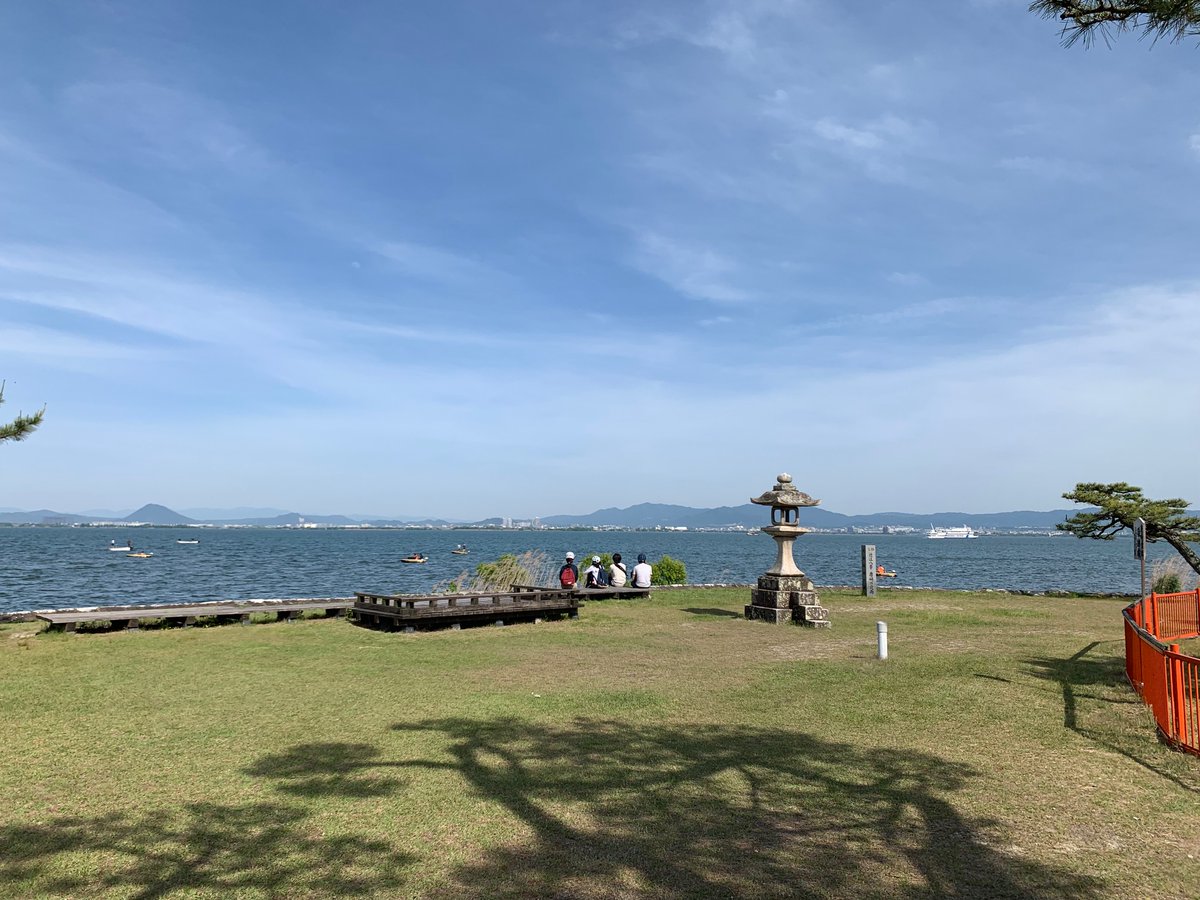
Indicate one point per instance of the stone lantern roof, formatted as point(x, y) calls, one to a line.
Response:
point(784, 495)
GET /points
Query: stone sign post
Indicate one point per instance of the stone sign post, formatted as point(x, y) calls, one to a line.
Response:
point(784, 593)
point(868, 564)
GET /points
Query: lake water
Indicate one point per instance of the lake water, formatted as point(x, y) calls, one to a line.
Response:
point(43, 568)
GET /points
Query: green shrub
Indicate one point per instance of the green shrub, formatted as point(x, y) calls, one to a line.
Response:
point(1167, 575)
point(669, 571)
point(1167, 583)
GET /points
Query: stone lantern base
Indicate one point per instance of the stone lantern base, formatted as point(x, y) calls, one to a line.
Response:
point(787, 598)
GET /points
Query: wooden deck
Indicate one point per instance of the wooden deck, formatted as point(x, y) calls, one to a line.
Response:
point(131, 617)
point(600, 593)
point(392, 611)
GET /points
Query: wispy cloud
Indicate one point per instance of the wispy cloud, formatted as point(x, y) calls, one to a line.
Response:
point(69, 350)
point(694, 271)
point(434, 264)
point(167, 125)
point(907, 279)
point(1050, 169)
point(732, 30)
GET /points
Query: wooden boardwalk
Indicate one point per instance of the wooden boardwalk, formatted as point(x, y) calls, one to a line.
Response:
point(522, 603)
point(392, 611)
point(131, 617)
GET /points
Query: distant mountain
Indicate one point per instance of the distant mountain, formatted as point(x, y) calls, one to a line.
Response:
point(288, 519)
point(392, 523)
point(749, 515)
point(107, 514)
point(42, 517)
point(377, 518)
point(204, 514)
point(1044, 520)
point(641, 515)
point(154, 514)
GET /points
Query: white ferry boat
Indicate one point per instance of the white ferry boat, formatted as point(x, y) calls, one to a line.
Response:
point(962, 531)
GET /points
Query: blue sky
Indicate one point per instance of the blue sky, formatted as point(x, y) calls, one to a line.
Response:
point(527, 258)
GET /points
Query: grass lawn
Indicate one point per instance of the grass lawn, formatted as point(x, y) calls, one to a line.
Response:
point(649, 748)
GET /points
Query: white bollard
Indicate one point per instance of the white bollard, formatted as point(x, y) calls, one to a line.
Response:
point(881, 631)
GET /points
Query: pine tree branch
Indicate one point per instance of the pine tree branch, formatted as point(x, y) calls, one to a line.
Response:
point(1084, 19)
point(1120, 505)
point(20, 427)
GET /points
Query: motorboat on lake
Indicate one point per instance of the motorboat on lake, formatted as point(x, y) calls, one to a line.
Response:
point(460, 550)
point(123, 548)
point(415, 558)
point(962, 531)
point(182, 541)
point(140, 554)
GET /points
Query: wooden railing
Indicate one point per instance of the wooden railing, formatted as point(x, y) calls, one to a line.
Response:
point(1167, 680)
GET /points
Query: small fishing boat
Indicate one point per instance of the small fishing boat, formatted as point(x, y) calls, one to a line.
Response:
point(124, 548)
point(460, 550)
point(885, 574)
point(140, 554)
point(415, 558)
point(181, 541)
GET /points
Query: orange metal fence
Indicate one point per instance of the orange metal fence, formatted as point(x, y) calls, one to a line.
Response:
point(1167, 681)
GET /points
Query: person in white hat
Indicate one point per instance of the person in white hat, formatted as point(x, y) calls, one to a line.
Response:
point(568, 575)
point(594, 575)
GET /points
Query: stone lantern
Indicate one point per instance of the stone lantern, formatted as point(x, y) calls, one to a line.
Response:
point(784, 593)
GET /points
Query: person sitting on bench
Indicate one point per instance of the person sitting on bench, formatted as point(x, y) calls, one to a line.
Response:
point(594, 575)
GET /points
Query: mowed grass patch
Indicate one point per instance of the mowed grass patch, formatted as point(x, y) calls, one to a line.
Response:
point(664, 747)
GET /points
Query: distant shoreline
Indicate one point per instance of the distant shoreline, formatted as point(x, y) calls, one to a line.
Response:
point(897, 531)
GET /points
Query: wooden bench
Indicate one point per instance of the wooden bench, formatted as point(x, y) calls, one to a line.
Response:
point(396, 611)
point(597, 593)
point(186, 614)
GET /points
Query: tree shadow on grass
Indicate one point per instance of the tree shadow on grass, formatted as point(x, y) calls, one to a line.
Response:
point(663, 810)
point(327, 769)
point(1083, 676)
point(713, 611)
point(262, 848)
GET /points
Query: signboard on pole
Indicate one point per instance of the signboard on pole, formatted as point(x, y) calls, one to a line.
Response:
point(1139, 548)
point(868, 573)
